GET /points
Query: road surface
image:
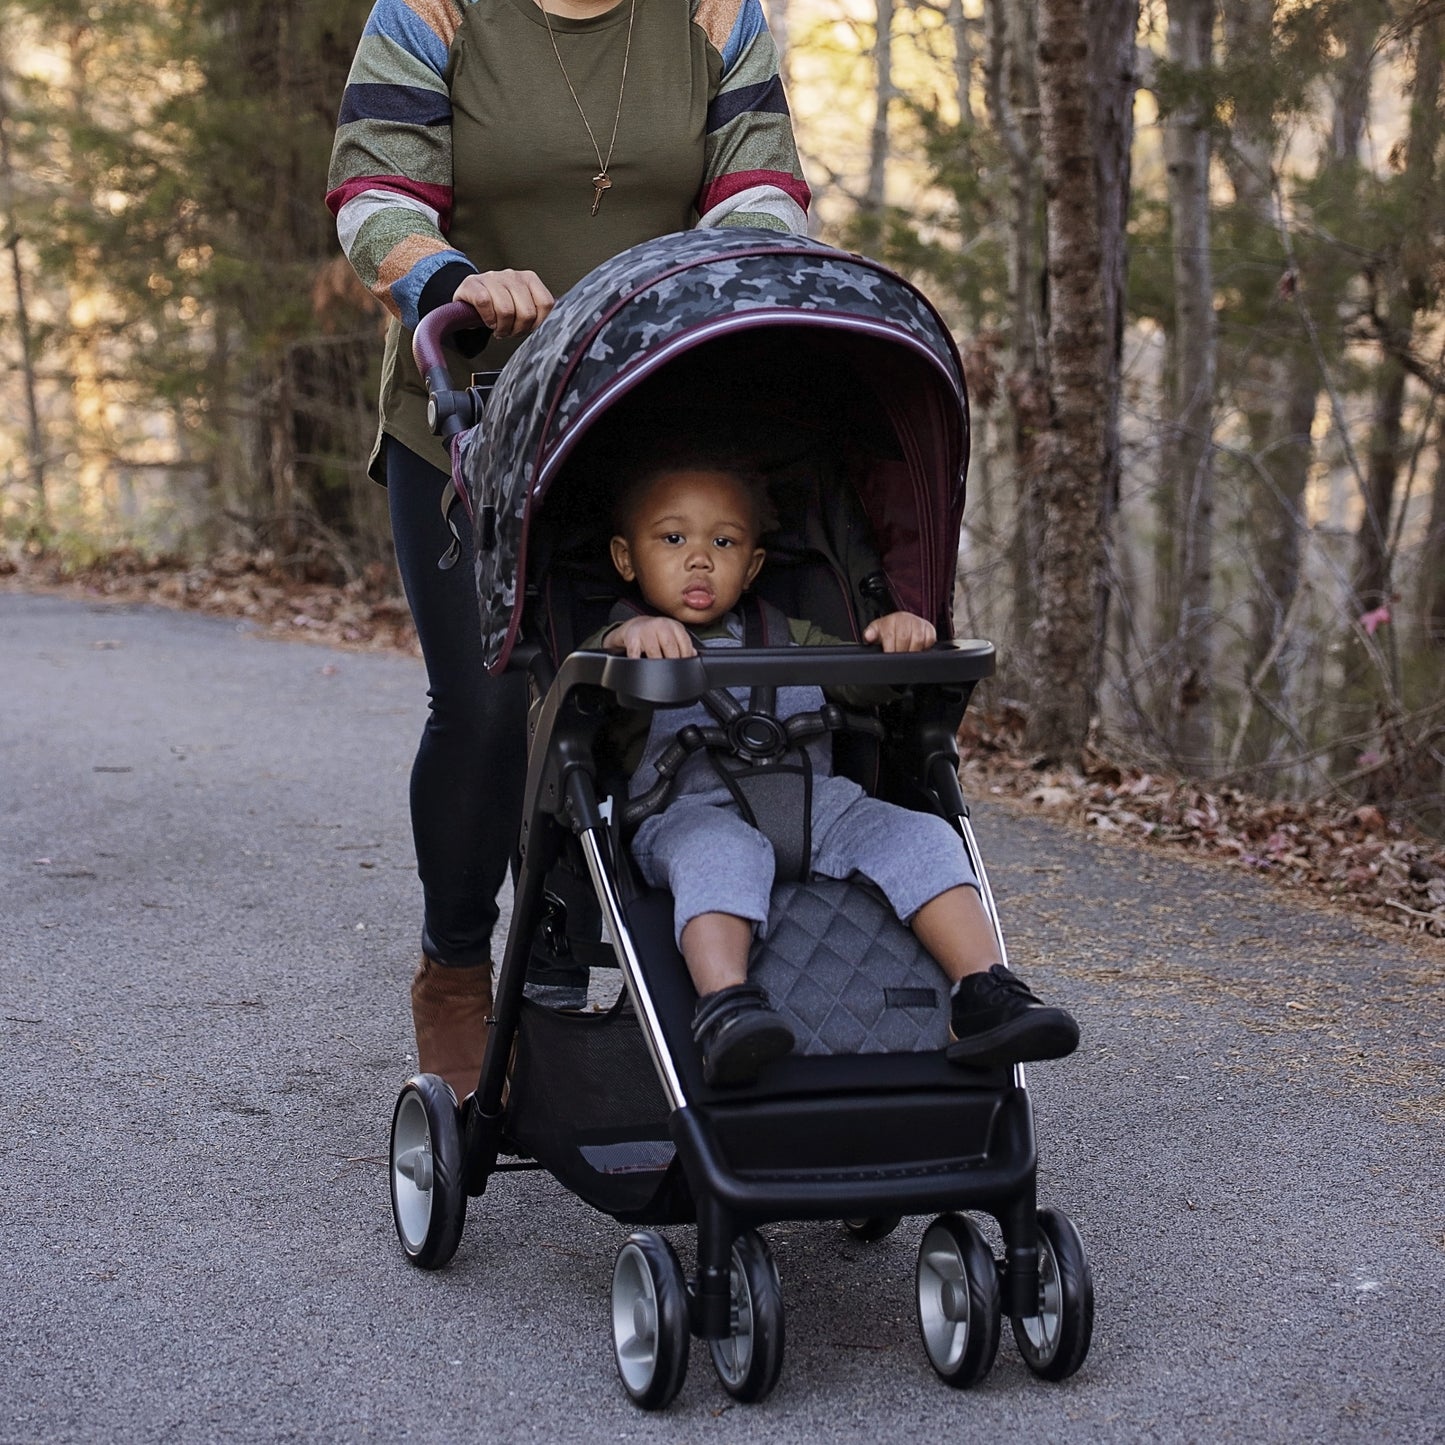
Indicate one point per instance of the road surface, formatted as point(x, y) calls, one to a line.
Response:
point(209, 923)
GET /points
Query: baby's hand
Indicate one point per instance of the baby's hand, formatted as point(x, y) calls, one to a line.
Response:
point(901, 632)
point(650, 637)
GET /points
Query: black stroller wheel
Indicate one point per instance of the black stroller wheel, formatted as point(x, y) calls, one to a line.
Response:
point(959, 1312)
point(1055, 1341)
point(649, 1320)
point(750, 1359)
point(428, 1200)
point(874, 1228)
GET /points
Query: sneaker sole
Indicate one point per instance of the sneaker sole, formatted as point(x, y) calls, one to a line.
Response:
point(1035, 1036)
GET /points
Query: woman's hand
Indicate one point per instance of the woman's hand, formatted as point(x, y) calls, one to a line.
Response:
point(901, 632)
point(650, 637)
point(512, 303)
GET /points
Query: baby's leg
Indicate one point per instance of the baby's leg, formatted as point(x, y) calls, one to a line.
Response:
point(720, 871)
point(920, 864)
point(715, 947)
point(954, 927)
point(714, 865)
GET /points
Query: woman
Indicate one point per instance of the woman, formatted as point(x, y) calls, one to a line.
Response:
point(494, 152)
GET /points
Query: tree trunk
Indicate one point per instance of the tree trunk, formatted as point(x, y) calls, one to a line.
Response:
point(1190, 455)
point(1400, 282)
point(1372, 581)
point(34, 439)
point(1114, 77)
point(1279, 391)
point(1432, 553)
point(1408, 283)
point(962, 29)
point(1064, 638)
point(1011, 91)
point(875, 195)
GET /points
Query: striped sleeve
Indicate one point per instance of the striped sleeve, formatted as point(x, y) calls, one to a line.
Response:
point(751, 175)
point(390, 187)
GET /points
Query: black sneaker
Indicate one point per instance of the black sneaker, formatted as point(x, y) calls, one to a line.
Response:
point(738, 1033)
point(996, 1019)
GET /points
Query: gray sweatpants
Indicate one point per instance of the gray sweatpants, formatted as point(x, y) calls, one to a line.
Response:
point(715, 862)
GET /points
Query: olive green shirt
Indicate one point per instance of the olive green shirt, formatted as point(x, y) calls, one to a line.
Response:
point(523, 162)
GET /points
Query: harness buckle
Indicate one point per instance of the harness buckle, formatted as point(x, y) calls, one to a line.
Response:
point(757, 738)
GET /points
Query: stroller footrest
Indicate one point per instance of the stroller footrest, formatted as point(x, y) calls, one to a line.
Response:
point(932, 1169)
point(1001, 1159)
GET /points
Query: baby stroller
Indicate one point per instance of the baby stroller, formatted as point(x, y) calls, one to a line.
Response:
point(848, 391)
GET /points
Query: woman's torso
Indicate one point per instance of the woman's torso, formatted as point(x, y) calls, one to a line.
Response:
point(523, 163)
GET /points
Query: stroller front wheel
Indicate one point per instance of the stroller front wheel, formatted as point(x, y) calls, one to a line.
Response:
point(428, 1200)
point(959, 1309)
point(1055, 1341)
point(750, 1359)
point(649, 1320)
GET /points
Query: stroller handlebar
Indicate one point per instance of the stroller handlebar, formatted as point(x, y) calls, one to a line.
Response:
point(449, 411)
point(661, 682)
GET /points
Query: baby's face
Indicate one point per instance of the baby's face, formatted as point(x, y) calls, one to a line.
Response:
point(691, 545)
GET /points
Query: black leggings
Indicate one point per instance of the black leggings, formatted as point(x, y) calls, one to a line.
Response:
point(467, 781)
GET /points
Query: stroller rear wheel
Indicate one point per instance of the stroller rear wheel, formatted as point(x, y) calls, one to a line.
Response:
point(750, 1359)
point(959, 1311)
point(428, 1200)
point(649, 1320)
point(1055, 1341)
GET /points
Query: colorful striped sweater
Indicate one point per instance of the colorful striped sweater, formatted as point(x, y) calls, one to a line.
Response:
point(392, 172)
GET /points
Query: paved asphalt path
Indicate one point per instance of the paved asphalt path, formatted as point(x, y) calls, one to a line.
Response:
point(209, 919)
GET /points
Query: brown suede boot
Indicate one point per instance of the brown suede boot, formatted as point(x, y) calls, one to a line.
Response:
point(449, 1009)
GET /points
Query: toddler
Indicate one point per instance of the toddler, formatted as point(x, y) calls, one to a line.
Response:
point(688, 537)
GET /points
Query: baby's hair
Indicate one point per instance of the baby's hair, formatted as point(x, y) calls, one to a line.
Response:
point(637, 473)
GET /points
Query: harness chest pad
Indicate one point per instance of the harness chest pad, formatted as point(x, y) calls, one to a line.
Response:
point(847, 975)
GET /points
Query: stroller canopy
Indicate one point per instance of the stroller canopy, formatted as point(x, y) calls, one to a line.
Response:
point(852, 329)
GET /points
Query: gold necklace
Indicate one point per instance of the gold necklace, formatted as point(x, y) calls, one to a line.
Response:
point(601, 182)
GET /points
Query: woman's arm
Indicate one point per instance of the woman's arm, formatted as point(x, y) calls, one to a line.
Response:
point(391, 163)
point(751, 172)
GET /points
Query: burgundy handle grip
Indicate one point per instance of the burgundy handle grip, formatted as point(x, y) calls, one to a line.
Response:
point(433, 330)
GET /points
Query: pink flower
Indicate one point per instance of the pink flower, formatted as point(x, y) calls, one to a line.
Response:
point(1371, 620)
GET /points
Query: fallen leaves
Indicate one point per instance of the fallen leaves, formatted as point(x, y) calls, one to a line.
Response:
point(1353, 855)
point(366, 612)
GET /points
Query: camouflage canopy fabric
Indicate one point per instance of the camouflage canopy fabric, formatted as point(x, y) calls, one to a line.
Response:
point(629, 317)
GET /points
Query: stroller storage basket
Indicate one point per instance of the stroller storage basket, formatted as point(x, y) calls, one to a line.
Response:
point(589, 1109)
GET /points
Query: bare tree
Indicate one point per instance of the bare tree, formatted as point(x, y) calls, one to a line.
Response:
point(1400, 285)
point(961, 28)
point(1114, 79)
point(884, 92)
point(1278, 390)
point(1064, 638)
point(1187, 490)
point(9, 217)
point(1432, 556)
point(1012, 97)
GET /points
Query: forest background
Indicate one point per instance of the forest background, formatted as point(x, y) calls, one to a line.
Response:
point(1192, 252)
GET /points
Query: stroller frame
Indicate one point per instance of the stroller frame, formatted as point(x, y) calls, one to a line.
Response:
point(561, 787)
point(861, 1138)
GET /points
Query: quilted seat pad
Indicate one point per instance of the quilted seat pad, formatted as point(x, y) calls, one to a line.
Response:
point(847, 975)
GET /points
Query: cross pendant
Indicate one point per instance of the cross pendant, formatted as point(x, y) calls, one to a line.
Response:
point(600, 182)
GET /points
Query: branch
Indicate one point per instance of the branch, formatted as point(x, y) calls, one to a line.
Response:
point(1398, 349)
